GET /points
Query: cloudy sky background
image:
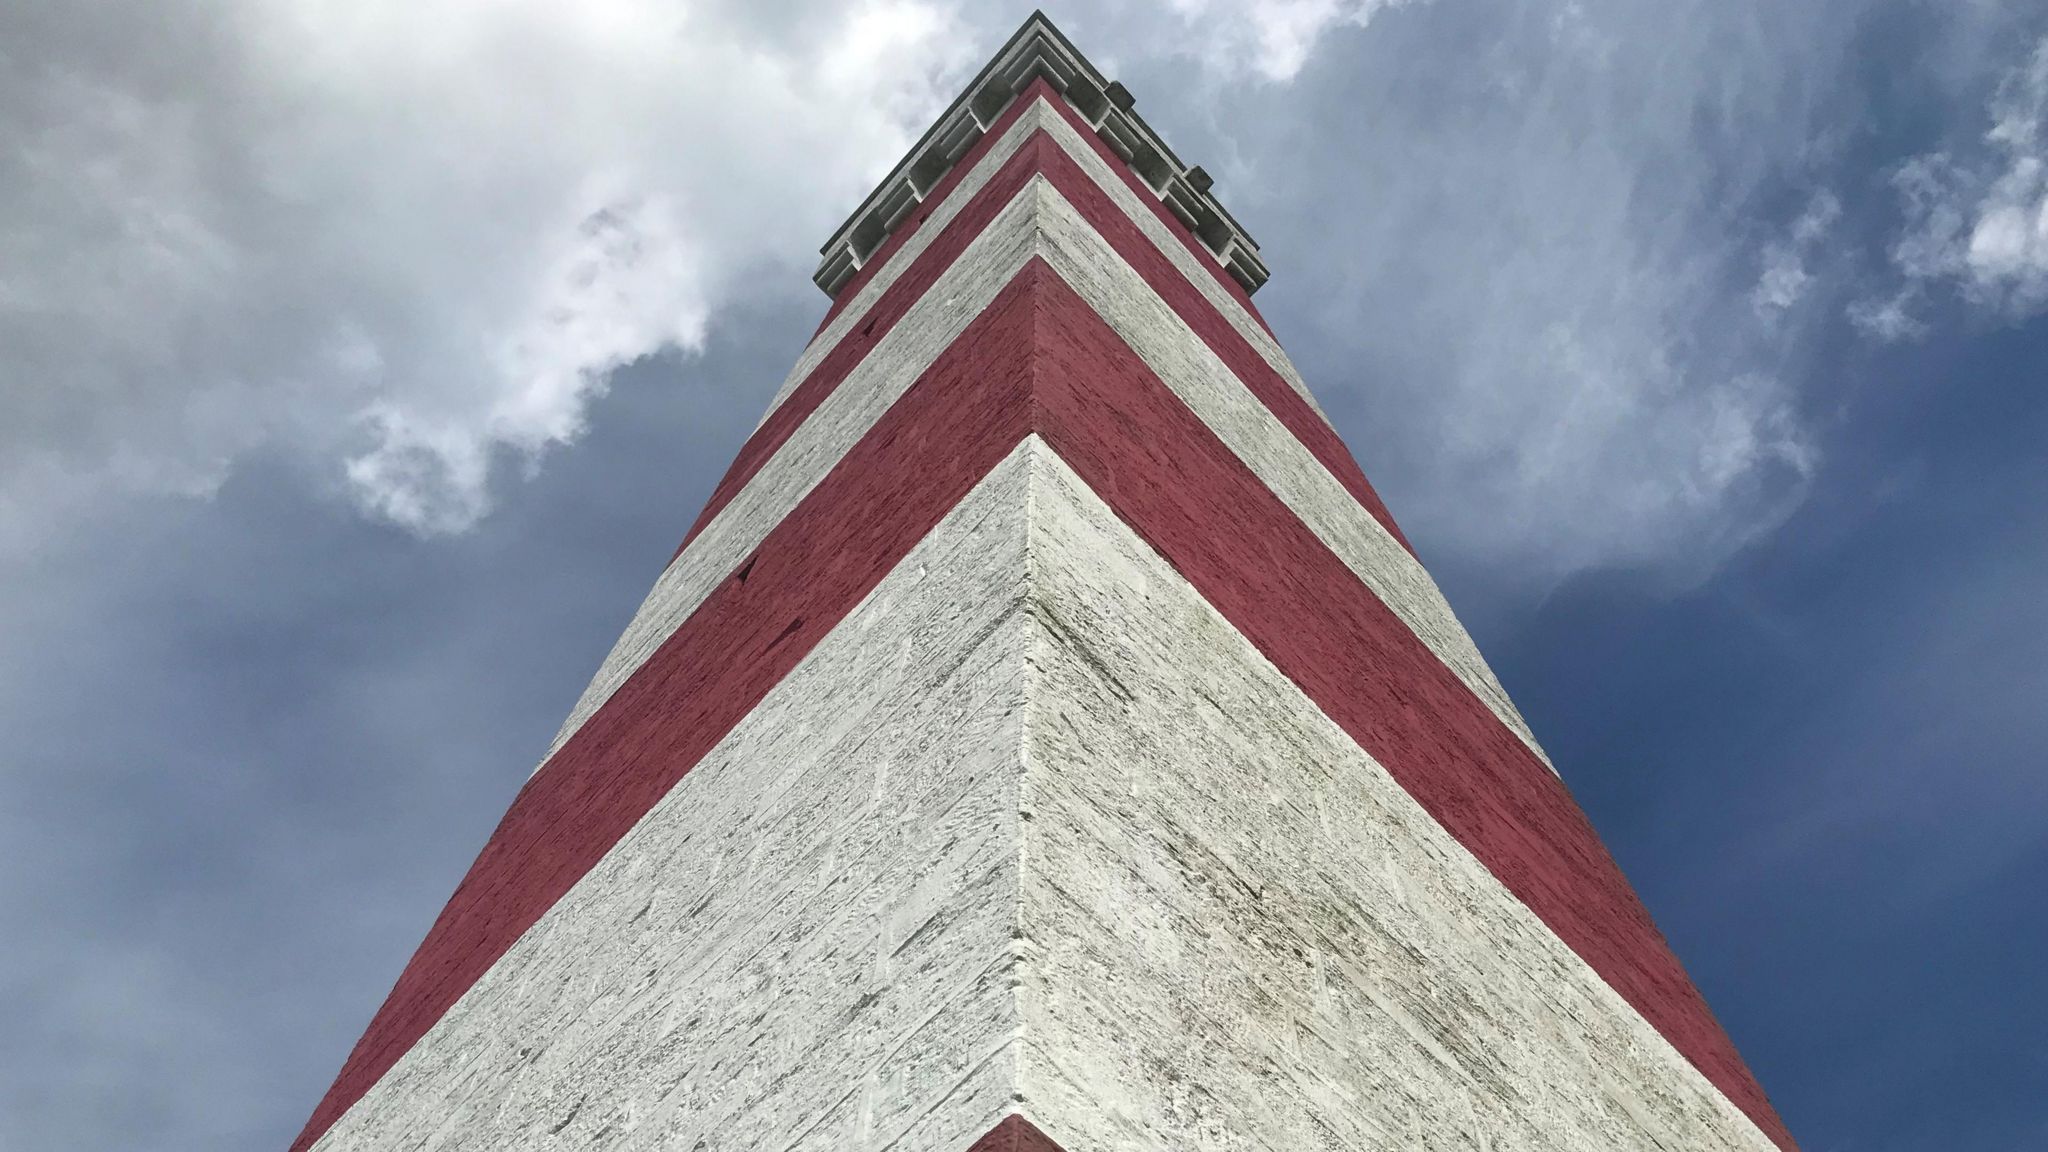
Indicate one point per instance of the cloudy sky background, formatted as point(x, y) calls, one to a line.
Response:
point(361, 363)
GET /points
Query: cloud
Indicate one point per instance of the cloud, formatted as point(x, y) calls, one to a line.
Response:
point(1978, 223)
point(406, 245)
point(1269, 40)
point(1541, 298)
point(1785, 277)
point(624, 284)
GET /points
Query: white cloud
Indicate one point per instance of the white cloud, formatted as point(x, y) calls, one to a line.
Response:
point(1889, 318)
point(407, 243)
point(1978, 222)
point(622, 284)
point(1786, 276)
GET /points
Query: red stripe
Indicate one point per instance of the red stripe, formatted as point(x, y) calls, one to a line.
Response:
point(1039, 358)
point(1014, 1134)
point(1041, 155)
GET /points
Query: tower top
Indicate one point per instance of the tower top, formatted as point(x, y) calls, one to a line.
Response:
point(1038, 48)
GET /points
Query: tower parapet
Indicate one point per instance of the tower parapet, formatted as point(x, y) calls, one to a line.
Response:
point(1040, 50)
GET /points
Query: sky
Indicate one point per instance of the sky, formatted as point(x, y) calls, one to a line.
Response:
point(361, 363)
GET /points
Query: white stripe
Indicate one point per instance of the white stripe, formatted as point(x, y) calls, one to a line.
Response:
point(1241, 932)
point(1040, 222)
point(806, 944)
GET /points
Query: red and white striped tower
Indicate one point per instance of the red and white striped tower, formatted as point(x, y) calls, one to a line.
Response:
point(1044, 740)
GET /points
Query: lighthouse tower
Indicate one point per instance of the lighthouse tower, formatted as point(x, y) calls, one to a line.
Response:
point(1044, 739)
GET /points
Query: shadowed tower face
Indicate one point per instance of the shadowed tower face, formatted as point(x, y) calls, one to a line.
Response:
point(1044, 739)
